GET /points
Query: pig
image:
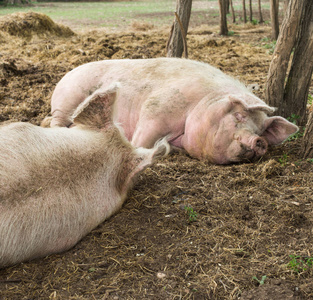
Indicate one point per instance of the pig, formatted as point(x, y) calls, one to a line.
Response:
point(203, 111)
point(57, 184)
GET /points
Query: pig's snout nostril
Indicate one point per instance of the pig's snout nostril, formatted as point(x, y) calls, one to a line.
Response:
point(261, 144)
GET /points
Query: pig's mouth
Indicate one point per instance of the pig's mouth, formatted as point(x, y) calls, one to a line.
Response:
point(257, 150)
point(247, 153)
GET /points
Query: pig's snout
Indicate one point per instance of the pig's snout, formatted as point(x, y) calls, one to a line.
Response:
point(259, 146)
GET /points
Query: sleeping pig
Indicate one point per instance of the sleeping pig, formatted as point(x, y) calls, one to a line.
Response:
point(57, 184)
point(203, 111)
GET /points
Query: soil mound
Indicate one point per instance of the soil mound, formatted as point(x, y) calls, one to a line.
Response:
point(26, 25)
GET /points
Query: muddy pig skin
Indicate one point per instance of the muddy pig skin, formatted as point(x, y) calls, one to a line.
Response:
point(57, 184)
point(207, 113)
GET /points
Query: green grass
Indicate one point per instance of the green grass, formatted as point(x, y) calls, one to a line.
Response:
point(108, 14)
point(103, 13)
point(117, 14)
point(299, 264)
point(192, 214)
point(294, 119)
point(269, 44)
point(261, 282)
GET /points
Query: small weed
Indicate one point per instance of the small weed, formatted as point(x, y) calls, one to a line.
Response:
point(192, 215)
point(310, 99)
point(266, 39)
point(300, 264)
point(261, 282)
point(283, 160)
point(293, 118)
point(254, 22)
point(270, 45)
point(231, 33)
point(296, 135)
point(310, 160)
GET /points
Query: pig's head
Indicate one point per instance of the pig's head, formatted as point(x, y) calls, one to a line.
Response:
point(234, 129)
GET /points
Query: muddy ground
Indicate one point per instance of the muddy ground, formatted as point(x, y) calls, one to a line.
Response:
point(188, 230)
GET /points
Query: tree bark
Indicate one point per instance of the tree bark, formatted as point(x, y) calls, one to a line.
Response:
point(274, 89)
point(232, 11)
point(260, 13)
point(307, 142)
point(299, 78)
point(12, 2)
point(244, 11)
point(274, 18)
point(286, 3)
point(223, 17)
point(250, 10)
point(175, 46)
point(227, 6)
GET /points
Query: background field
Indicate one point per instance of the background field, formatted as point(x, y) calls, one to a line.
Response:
point(118, 14)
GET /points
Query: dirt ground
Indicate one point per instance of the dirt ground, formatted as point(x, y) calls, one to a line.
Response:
point(188, 230)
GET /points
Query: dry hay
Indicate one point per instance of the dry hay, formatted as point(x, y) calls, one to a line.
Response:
point(26, 25)
point(141, 26)
point(250, 217)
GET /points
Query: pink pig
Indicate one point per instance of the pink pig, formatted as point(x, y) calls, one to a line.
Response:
point(57, 184)
point(207, 113)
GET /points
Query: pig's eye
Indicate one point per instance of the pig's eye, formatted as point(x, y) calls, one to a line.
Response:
point(236, 137)
point(239, 117)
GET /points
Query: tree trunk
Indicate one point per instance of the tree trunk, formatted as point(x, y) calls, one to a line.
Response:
point(12, 2)
point(274, 89)
point(223, 17)
point(260, 13)
point(299, 78)
point(175, 46)
point(244, 11)
point(307, 142)
point(250, 11)
point(232, 11)
point(274, 18)
point(227, 6)
point(286, 3)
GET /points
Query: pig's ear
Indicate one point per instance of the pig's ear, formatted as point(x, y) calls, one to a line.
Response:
point(96, 111)
point(251, 102)
point(278, 129)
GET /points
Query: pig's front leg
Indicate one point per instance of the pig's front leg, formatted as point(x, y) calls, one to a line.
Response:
point(147, 133)
point(161, 116)
point(60, 119)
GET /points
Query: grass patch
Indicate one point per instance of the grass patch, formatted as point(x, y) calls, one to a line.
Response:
point(105, 14)
point(269, 44)
point(192, 214)
point(299, 264)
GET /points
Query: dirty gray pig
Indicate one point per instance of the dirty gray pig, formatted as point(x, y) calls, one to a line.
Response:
point(57, 184)
point(203, 111)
